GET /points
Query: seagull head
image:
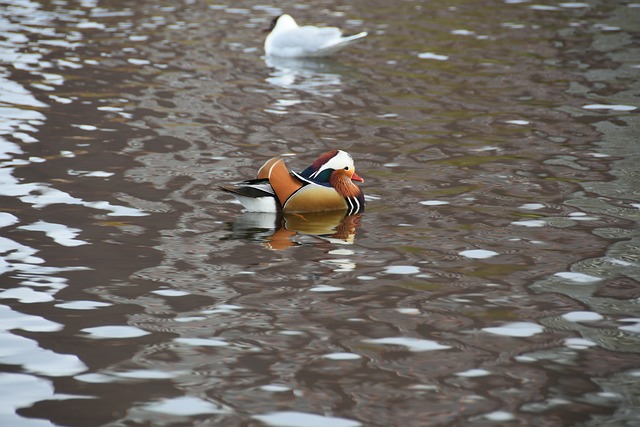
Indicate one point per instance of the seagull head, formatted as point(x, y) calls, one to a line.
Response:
point(282, 22)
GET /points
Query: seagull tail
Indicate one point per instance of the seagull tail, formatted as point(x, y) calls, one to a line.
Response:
point(339, 44)
point(350, 39)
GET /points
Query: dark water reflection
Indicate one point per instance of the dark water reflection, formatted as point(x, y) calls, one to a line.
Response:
point(493, 279)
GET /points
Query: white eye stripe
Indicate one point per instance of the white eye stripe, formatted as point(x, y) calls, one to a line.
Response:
point(341, 160)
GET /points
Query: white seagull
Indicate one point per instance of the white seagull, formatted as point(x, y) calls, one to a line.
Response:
point(288, 40)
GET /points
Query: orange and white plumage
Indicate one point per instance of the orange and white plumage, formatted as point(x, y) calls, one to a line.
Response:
point(326, 185)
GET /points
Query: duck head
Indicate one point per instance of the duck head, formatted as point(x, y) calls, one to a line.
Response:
point(332, 166)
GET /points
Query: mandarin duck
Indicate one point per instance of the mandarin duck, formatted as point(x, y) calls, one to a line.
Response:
point(288, 40)
point(326, 185)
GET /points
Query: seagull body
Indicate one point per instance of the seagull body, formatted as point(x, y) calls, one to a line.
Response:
point(288, 40)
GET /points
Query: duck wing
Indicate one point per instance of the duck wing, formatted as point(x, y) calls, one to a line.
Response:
point(250, 188)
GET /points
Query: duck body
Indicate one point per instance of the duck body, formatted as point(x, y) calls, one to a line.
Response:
point(288, 40)
point(326, 185)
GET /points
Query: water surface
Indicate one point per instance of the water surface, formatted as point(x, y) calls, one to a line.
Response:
point(492, 280)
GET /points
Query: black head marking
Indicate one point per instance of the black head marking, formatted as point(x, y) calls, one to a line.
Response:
point(274, 22)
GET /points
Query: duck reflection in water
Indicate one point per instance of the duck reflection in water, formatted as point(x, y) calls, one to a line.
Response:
point(279, 230)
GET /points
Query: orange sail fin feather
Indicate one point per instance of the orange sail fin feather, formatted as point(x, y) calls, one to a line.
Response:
point(282, 182)
point(326, 185)
point(263, 172)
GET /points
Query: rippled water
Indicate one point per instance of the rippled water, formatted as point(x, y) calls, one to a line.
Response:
point(493, 279)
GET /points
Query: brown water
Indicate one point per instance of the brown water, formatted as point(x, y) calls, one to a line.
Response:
point(492, 281)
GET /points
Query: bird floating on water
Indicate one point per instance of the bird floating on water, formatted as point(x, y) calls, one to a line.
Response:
point(326, 185)
point(288, 40)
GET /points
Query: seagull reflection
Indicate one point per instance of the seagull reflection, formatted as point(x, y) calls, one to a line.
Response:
point(316, 76)
point(278, 230)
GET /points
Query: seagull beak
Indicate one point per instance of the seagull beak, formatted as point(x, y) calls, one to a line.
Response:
point(356, 177)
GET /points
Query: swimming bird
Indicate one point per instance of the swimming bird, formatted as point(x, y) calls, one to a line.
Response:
point(288, 40)
point(326, 185)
